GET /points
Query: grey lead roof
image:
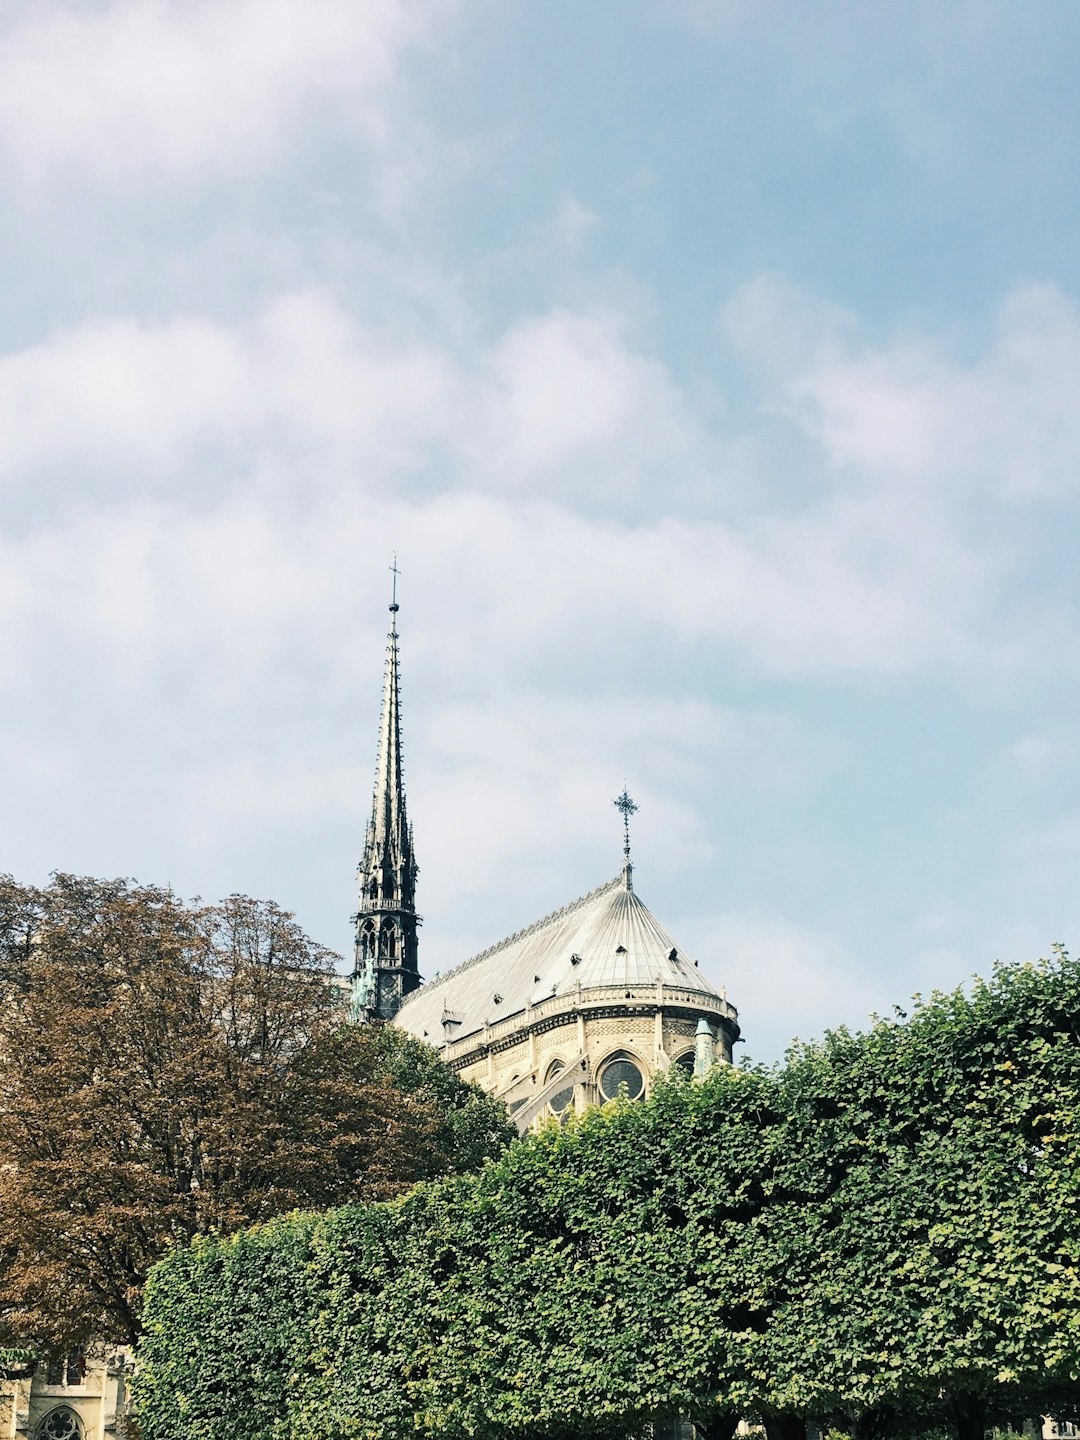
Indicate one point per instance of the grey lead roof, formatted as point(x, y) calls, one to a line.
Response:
point(617, 940)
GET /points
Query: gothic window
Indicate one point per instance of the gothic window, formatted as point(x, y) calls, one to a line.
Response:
point(562, 1098)
point(685, 1062)
point(61, 1424)
point(621, 1075)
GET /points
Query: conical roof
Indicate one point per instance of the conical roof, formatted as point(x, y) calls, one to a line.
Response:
point(608, 938)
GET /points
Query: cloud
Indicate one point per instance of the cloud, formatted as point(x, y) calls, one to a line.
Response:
point(556, 397)
point(573, 222)
point(792, 980)
point(159, 93)
point(562, 448)
point(520, 787)
point(192, 564)
point(154, 404)
point(567, 391)
point(910, 413)
point(787, 980)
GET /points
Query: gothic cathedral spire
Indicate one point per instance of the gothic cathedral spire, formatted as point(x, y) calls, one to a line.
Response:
point(385, 968)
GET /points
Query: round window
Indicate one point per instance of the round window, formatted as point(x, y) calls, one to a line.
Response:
point(620, 1076)
point(561, 1099)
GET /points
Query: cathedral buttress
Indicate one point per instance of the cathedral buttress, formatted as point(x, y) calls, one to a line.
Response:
point(385, 968)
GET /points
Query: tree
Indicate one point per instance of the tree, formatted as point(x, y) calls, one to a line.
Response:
point(168, 1070)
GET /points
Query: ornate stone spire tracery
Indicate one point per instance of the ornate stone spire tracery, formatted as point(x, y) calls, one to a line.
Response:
point(385, 968)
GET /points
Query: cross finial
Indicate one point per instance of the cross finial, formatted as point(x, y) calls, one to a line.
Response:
point(626, 807)
point(393, 594)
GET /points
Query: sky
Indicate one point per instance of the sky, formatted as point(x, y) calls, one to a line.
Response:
point(713, 370)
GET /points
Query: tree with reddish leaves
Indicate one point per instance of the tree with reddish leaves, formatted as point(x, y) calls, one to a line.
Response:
point(169, 1069)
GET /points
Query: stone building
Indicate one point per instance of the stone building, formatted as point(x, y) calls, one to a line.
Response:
point(70, 1397)
point(594, 1000)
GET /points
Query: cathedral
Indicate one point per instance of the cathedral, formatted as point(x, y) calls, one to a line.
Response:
point(590, 1002)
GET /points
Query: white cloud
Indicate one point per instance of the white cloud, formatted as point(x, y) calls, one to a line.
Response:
point(787, 980)
point(581, 439)
point(156, 91)
point(153, 404)
point(558, 396)
point(910, 413)
point(566, 392)
point(573, 221)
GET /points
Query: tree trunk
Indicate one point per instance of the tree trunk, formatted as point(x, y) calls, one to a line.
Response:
point(967, 1412)
point(875, 1424)
point(785, 1427)
point(720, 1426)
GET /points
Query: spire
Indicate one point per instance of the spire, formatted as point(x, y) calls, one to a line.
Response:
point(627, 807)
point(388, 830)
point(385, 968)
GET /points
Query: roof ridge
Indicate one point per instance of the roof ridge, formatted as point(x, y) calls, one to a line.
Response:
point(536, 925)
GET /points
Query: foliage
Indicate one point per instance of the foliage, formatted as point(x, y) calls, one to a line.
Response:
point(168, 1070)
point(883, 1235)
point(16, 1362)
point(470, 1125)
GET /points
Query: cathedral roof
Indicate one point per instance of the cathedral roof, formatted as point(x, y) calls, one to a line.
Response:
point(608, 938)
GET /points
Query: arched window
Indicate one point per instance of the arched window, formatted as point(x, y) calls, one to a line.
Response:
point(620, 1074)
point(562, 1098)
point(59, 1424)
point(367, 940)
point(685, 1062)
point(388, 941)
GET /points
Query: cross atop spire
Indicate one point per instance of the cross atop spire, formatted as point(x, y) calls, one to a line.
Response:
point(626, 807)
point(394, 607)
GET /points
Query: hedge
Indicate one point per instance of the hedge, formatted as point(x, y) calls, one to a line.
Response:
point(883, 1232)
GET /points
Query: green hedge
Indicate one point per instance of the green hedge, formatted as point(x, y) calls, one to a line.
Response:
point(885, 1228)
